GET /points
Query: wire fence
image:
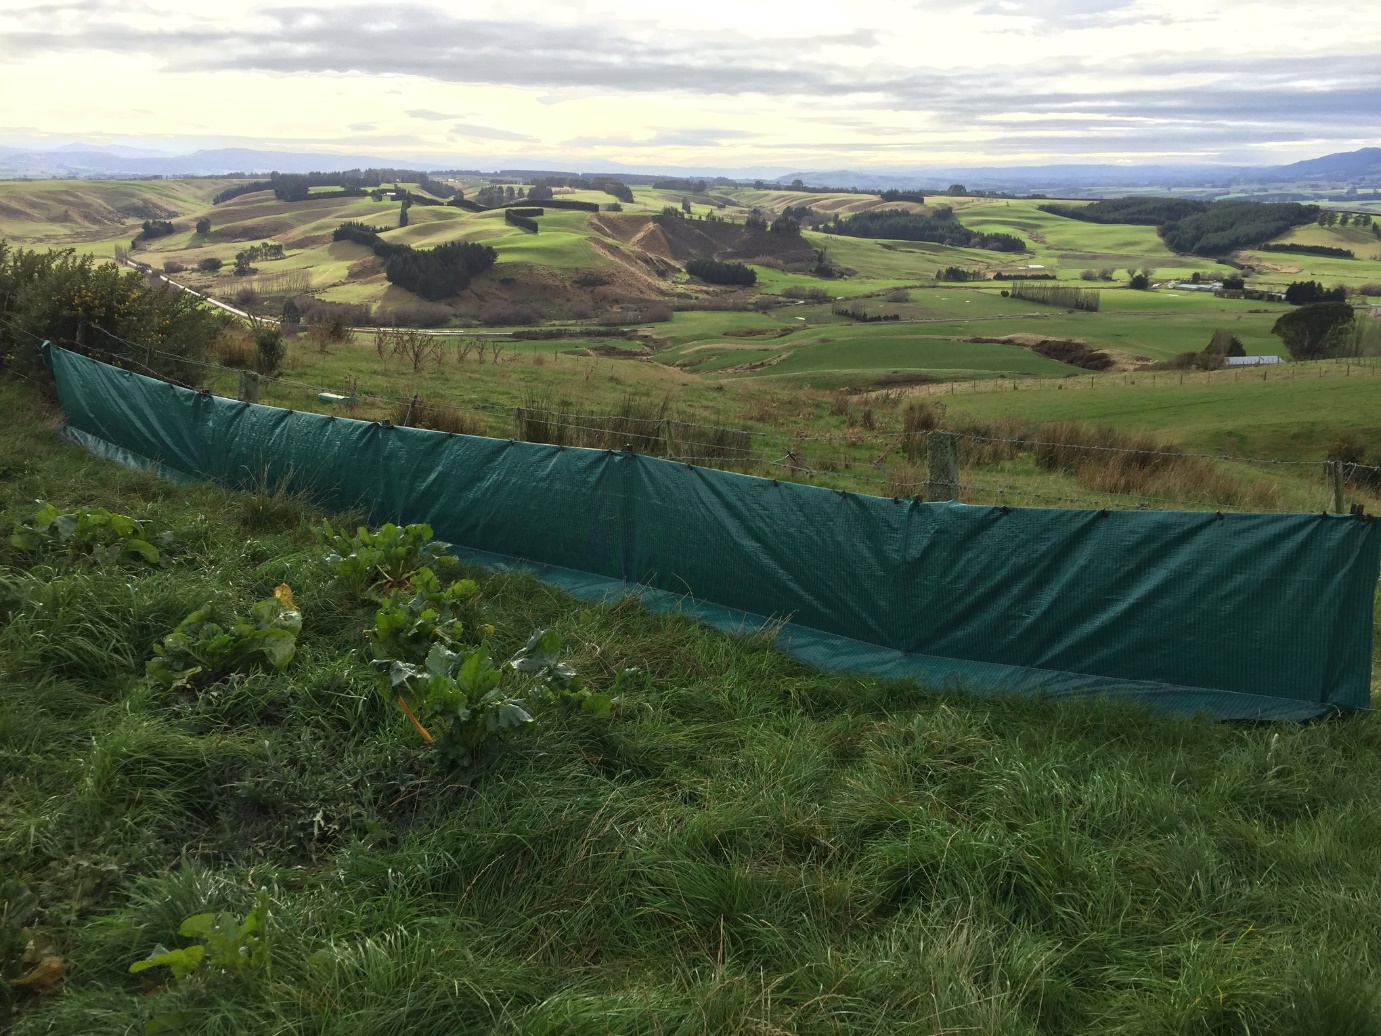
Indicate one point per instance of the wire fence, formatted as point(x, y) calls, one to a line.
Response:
point(1080, 467)
point(1346, 367)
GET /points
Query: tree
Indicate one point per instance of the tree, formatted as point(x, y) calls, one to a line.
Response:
point(1344, 218)
point(1314, 331)
point(510, 193)
point(957, 190)
point(685, 205)
point(291, 314)
point(540, 193)
point(1303, 293)
point(204, 225)
point(210, 264)
point(1225, 343)
point(242, 265)
point(403, 212)
point(1139, 282)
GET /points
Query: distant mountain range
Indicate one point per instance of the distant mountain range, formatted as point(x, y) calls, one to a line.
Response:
point(1361, 168)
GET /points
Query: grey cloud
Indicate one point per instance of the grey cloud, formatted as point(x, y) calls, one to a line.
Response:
point(361, 127)
point(1066, 13)
point(1273, 99)
point(461, 129)
point(416, 40)
point(688, 137)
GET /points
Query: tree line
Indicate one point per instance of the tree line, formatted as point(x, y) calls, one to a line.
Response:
point(940, 227)
point(1198, 227)
point(433, 273)
point(298, 186)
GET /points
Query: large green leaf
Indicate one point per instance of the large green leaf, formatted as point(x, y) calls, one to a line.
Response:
point(542, 651)
point(144, 549)
point(477, 675)
point(182, 962)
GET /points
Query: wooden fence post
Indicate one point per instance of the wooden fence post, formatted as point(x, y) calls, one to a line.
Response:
point(249, 387)
point(942, 482)
point(1339, 504)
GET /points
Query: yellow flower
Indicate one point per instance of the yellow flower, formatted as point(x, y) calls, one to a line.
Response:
point(284, 596)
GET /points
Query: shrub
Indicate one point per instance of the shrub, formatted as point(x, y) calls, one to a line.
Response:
point(71, 299)
point(246, 297)
point(797, 291)
point(898, 295)
point(508, 314)
point(204, 225)
point(210, 264)
point(312, 310)
point(173, 266)
point(235, 347)
point(418, 314)
point(919, 419)
point(268, 348)
point(441, 418)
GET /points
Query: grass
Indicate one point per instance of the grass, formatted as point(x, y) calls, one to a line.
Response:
point(1289, 418)
point(747, 847)
point(866, 351)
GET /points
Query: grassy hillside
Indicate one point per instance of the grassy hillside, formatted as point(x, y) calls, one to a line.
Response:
point(745, 846)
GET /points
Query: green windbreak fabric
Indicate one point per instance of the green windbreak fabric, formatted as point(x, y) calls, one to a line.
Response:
point(1234, 615)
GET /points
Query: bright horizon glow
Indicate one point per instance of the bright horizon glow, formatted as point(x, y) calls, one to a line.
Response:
point(768, 86)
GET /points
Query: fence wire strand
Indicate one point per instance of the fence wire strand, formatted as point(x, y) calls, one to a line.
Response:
point(621, 431)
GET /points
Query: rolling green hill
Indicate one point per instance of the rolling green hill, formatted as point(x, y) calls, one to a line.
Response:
point(582, 269)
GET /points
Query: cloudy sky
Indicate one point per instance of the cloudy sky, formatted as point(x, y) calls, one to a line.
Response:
point(762, 84)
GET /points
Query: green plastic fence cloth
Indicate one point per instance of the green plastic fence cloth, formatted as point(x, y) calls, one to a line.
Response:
point(1239, 616)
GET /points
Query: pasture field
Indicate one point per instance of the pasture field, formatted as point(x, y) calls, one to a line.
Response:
point(744, 846)
point(578, 272)
point(855, 439)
